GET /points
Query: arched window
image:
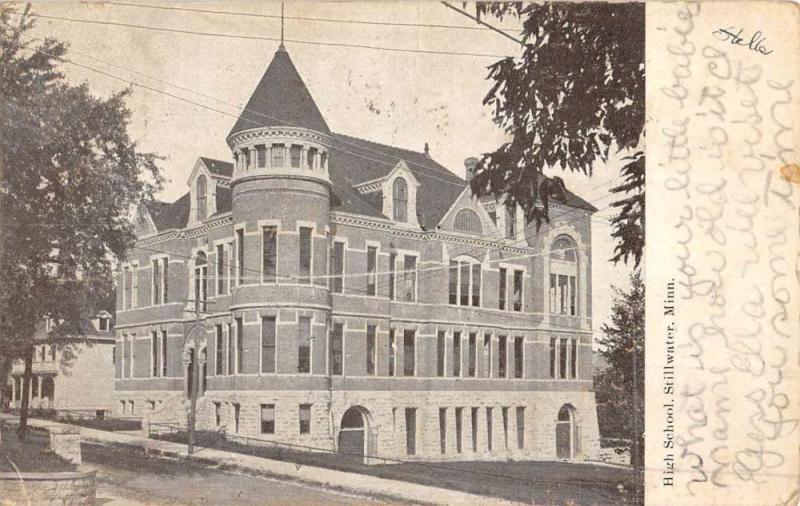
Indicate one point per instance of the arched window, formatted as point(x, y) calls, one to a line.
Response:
point(400, 198)
point(468, 221)
point(564, 277)
point(200, 281)
point(201, 198)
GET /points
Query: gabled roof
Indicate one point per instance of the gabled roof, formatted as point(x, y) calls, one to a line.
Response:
point(172, 216)
point(355, 161)
point(218, 167)
point(281, 99)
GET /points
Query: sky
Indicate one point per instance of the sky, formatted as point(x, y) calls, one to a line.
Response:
point(404, 99)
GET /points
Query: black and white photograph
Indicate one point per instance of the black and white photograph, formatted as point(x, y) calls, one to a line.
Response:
point(322, 253)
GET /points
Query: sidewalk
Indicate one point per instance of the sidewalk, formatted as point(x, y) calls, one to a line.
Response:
point(327, 478)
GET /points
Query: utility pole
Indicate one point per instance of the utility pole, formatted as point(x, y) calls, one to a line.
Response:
point(193, 366)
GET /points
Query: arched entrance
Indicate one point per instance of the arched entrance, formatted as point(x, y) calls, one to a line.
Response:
point(566, 432)
point(353, 433)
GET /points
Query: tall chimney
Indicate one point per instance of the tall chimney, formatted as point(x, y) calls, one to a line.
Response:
point(470, 164)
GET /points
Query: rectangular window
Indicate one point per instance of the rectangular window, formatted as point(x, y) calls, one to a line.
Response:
point(410, 278)
point(519, 356)
point(268, 337)
point(474, 420)
point(372, 262)
point(502, 356)
point(504, 416)
point(552, 357)
point(154, 349)
point(440, 350)
point(409, 353)
point(218, 350)
point(503, 289)
point(562, 294)
point(562, 358)
point(520, 427)
point(457, 354)
point(164, 280)
point(217, 414)
point(392, 352)
point(305, 255)
point(465, 275)
point(278, 155)
point(476, 285)
point(230, 350)
point(392, 276)
point(156, 286)
point(553, 307)
point(239, 346)
point(517, 291)
point(442, 430)
point(304, 344)
point(231, 281)
point(268, 419)
point(261, 156)
point(489, 428)
point(237, 408)
point(134, 286)
point(311, 156)
point(305, 418)
point(472, 355)
point(126, 288)
point(573, 359)
point(220, 269)
point(572, 306)
point(452, 282)
point(240, 255)
point(411, 431)
point(487, 354)
point(295, 152)
point(459, 427)
point(164, 360)
point(511, 221)
point(336, 349)
point(269, 254)
point(337, 265)
point(371, 349)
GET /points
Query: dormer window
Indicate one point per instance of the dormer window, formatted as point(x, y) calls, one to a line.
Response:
point(102, 324)
point(400, 200)
point(278, 153)
point(201, 198)
point(295, 152)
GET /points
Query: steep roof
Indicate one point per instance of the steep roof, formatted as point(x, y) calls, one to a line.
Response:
point(218, 167)
point(172, 216)
point(281, 99)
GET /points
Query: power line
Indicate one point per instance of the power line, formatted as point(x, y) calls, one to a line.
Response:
point(481, 22)
point(300, 18)
point(272, 39)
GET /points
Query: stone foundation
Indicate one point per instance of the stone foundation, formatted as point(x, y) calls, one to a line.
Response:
point(57, 489)
point(509, 425)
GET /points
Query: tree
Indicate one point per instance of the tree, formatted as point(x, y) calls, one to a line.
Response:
point(621, 386)
point(574, 96)
point(70, 177)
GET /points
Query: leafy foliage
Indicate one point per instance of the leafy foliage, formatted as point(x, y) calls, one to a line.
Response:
point(70, 177)
point(620, 388)
point(575, 94)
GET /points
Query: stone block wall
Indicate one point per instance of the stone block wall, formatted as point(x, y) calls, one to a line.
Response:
point(65, 441)
point(56, 489)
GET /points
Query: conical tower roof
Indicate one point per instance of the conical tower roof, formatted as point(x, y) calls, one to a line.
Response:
point(281, 99)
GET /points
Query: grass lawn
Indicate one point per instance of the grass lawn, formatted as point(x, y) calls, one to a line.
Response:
point(30, 456)
point(529, 481)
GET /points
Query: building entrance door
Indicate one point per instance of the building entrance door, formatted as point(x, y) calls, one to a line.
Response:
point(565, 433)
point(352, 433)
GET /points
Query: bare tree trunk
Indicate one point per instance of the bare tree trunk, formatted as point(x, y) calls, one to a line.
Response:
point(26, 390)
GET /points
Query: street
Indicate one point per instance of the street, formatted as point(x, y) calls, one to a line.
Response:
point(129, 478)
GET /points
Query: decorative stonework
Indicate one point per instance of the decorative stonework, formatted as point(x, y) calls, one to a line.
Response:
point(272, 132)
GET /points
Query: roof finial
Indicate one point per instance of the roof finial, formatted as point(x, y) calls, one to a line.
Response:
point(282, 46)
point(427, 150)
